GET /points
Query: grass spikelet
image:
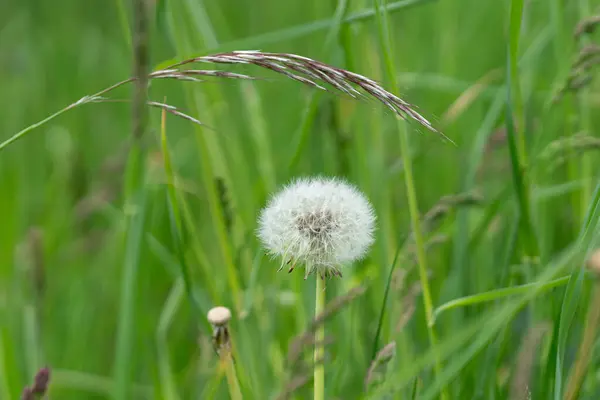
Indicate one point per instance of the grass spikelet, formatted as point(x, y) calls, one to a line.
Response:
point(581, 73)
point(561, 150)
point(448, 204)
point(296, 383)
point(382, 359)
point(409, 304)
point(317, 74)
point(586, 26)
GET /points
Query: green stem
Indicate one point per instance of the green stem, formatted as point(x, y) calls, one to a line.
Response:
point(419, 243)
point(319, 368)
point(124, 21)
point(587, 166)
point(232, 380)
point(25, 131)
point(135, 202)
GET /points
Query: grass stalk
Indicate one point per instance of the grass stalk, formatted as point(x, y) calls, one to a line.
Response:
point(123, 20)
point(319, 364)
point(135, 201)
point(587, 163)
point(411, 194)
point(516, 19)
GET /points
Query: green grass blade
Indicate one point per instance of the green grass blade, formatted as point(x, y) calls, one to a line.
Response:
point(175, 217)
point(302, 30)
point(384, 304)
point(516, 20)
point(135, 208)
point(168, 385)
point(519, 174)
point(496, 294)
point(567, 315)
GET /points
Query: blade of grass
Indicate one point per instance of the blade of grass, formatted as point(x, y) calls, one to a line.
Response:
point(135, 218)
point(175, 216)
point(304, 29)
point(496, 294)
point(123, 20)
point(99, 385)
point(516, 20)
point(567, 315)
point(168, 387)
point(516, 147)
point(384, 304)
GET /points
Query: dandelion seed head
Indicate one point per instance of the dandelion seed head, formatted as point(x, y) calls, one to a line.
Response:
point(322, 223)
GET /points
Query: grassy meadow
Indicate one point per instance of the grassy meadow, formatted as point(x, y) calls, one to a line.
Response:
point(113, 248)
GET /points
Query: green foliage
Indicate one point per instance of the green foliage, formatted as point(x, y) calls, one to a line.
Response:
point(112, 252)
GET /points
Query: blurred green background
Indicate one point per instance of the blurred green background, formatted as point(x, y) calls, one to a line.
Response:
point(72, 264)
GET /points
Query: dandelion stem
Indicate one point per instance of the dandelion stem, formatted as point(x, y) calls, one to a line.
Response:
point(232, 380)
point(319, 366)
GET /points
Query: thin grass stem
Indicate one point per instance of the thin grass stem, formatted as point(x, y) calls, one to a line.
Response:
point(135, 202)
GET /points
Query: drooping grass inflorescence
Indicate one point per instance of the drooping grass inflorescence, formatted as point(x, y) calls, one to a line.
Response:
point(302, 69)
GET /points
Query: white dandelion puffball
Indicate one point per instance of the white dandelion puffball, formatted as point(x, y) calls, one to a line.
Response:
point(323, 223)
